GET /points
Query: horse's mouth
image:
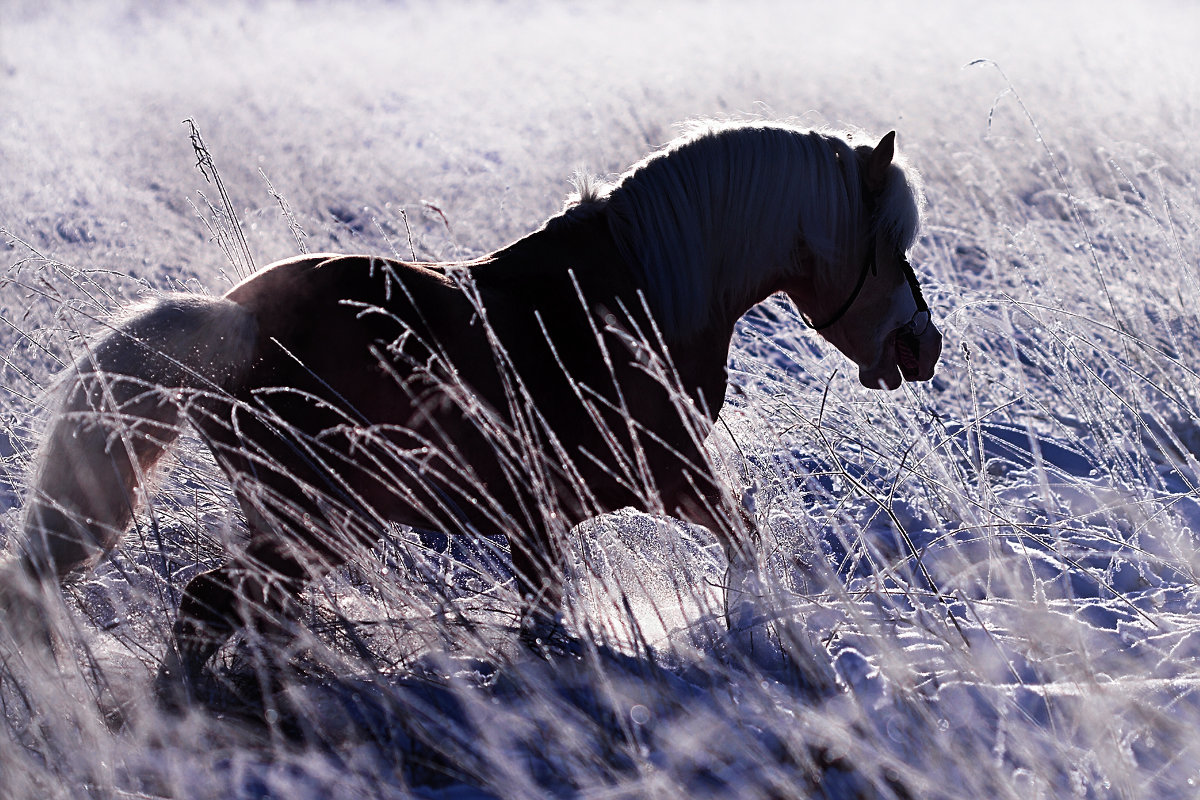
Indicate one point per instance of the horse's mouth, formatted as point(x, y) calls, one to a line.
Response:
point(906, 356)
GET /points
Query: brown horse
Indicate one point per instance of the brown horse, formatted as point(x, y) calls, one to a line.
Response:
point(572, 373)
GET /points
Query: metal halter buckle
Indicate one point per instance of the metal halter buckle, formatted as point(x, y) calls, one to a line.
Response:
point(919, 323)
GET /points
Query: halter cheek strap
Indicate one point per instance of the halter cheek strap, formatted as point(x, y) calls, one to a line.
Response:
point(868, 265)
point(920, 319)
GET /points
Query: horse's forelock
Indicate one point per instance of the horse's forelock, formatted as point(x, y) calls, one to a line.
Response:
point(901, 205)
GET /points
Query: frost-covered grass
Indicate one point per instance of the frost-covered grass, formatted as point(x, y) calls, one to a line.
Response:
point(1000, 566)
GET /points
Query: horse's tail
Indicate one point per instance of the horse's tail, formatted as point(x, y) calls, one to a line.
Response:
point(118, 410)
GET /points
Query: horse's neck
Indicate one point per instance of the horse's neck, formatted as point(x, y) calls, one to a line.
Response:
point(575, 255)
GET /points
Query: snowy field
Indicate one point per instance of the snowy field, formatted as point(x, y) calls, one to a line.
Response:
point(999, 567)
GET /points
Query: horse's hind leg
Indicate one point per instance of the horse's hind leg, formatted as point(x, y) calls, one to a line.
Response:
point(206, 620)
point(256, 590)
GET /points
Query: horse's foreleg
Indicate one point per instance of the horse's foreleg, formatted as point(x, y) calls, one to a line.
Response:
point(731, 520)
point(770, 639)
point(538, 564)
point(744, 590)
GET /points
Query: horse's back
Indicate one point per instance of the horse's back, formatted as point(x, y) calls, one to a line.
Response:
point(301, 292)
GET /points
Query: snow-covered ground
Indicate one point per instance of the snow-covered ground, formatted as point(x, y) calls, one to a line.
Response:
point(1000, 566)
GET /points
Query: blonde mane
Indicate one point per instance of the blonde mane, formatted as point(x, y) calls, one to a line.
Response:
point(724, 207)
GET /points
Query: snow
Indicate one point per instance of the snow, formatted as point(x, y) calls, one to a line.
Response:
point(999, 566)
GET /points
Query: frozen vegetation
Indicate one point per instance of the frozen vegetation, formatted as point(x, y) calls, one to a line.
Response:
point(1000, 566)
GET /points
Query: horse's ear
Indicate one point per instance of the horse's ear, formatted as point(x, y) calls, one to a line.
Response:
point(879, 161)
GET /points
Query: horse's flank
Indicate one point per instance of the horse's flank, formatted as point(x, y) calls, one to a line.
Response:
point(458, 361)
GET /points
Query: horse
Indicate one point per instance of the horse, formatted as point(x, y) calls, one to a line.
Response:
point(574, 372)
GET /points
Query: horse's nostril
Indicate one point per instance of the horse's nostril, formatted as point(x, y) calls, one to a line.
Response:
point(908, 352)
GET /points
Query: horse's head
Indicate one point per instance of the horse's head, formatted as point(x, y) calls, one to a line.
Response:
point(874, 313)
point(887, 331)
